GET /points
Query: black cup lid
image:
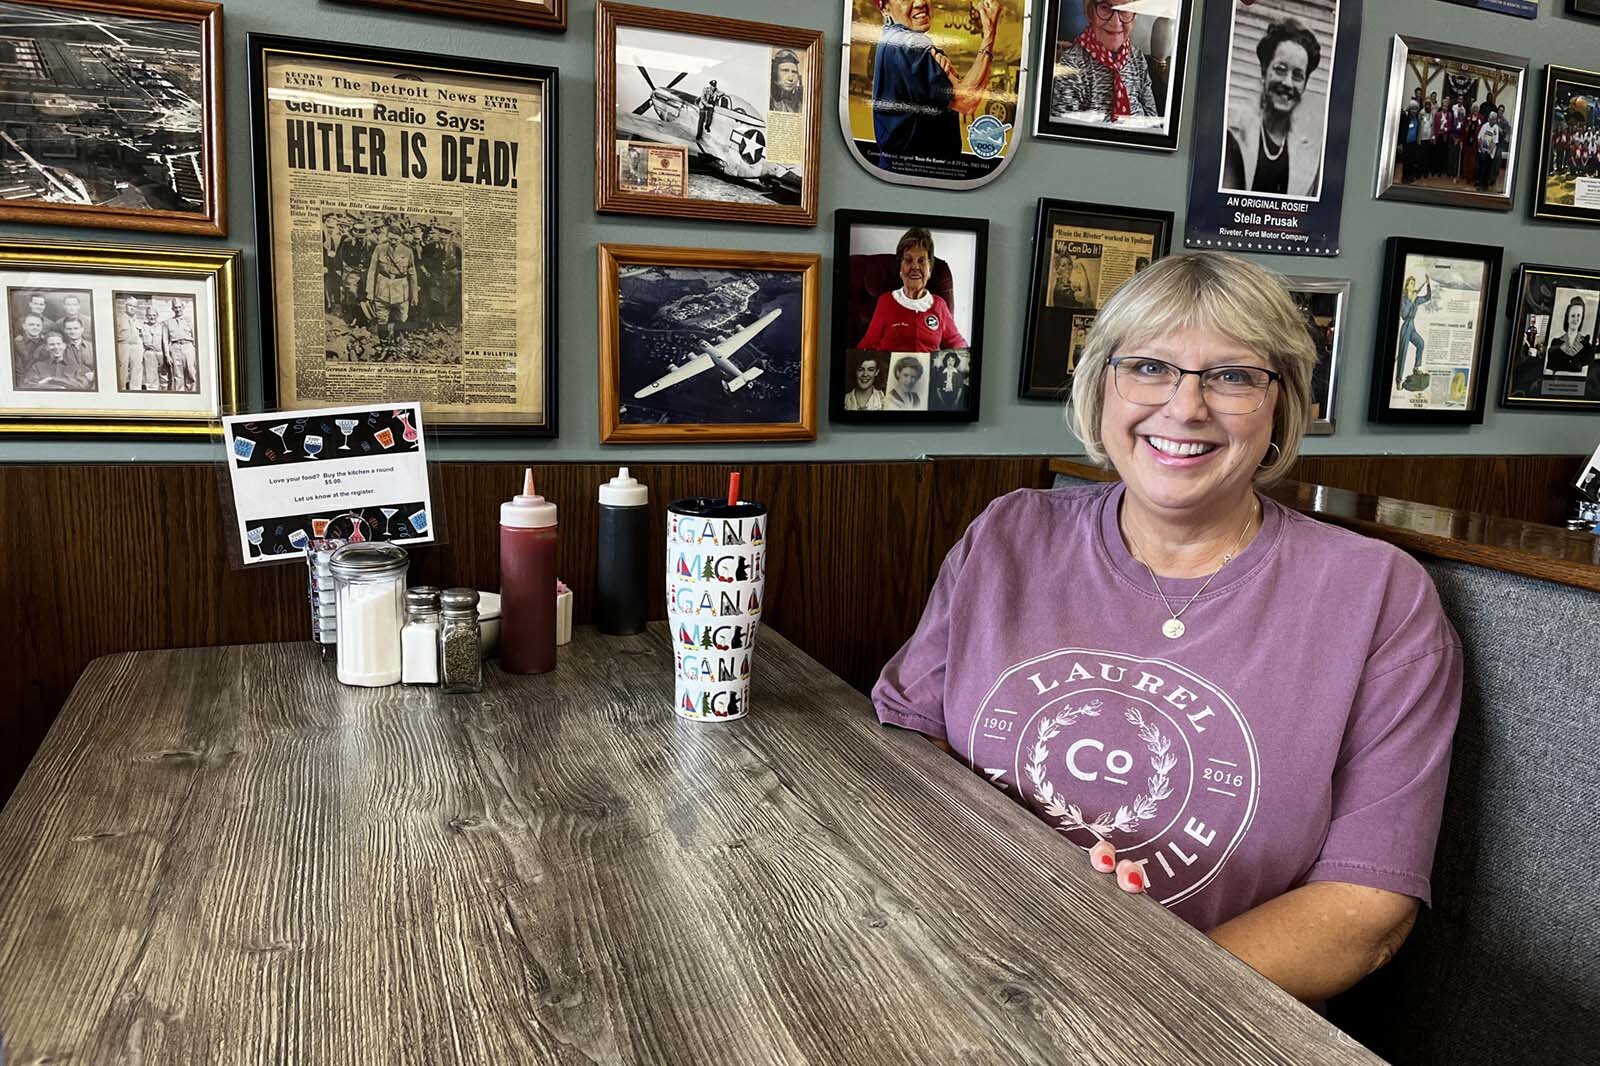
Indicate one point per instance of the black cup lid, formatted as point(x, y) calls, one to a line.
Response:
point(717, 507)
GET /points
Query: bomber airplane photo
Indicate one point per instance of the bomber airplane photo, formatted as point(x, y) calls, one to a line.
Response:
point(720, 356)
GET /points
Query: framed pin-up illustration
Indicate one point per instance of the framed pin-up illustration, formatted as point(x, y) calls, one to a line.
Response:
point(113, 114)
point(705, 345)
point(405, 221)
point(1435, 326)
point(109, 339)
point(699, 116)
point(1553, 357)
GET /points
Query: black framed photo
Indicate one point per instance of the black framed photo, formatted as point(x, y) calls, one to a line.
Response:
point(1569, 147)
point(1087, 49)
point(908, 299)
point(1323, 304)
point(1589, 9)
point(1553, 358)
point(1082, 254)
point(427, 184)
point(1434, 331)
point(113, 114)
point(1449, 125)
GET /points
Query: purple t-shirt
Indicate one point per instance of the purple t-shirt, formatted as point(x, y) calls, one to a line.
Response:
point(1299, 730)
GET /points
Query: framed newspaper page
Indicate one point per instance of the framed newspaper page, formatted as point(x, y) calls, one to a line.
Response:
point(111, 114)
point(405, 221)
point(1435, 325)
point(699, 116)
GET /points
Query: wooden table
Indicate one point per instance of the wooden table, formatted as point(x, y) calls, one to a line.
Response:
point(221, 855)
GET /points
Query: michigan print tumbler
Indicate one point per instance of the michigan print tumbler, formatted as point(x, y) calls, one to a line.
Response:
point(716, 580)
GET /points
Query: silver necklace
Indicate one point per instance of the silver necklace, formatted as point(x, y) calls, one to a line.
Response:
point(1172, 628)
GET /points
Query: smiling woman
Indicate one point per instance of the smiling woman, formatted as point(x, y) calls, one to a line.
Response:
point(1137, 664)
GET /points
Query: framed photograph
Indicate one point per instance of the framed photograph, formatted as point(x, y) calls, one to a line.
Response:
point(1434, 332)
point(1588, 483)
point(1090, 48)
point(707, 346)
point(117, 339)
point(931, 92)
point(1525, 9)
point(1449, 125)
point(908, 295)
point(427, 184)
point(113, 114)
point(1082, 253)
point(1323, 303)
point(1584, 8)
point(1568, 187)
point(1553, 358)
point(699, 116)
point(537, 14)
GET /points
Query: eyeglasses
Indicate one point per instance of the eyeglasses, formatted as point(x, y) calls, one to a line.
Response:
point(1228, 390)
point(1104, 12)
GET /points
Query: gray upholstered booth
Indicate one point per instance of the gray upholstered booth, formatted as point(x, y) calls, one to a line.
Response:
point(1505, 967)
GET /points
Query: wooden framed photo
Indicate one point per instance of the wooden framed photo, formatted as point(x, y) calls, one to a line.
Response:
point(1082, 253)
point(1435, 327)
point(908, 298)
point(699, 116)
point(1077, 100)
point(1568, 187)
point(427, 185)
point(1323, 304)
point(707, 346)
point(117, 339)
point(113, 114)
point(1449, 125)
point(536, 14)
point(1553, 358)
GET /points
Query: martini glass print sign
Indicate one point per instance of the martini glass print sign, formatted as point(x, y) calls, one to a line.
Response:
point(254, 535)
point(312, 444)
point(346, 425)
point(279, 431)
point(410, 433)
point(244, 448)
point(298, 539)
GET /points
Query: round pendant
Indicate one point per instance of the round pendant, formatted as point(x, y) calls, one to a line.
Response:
point(1172, 628)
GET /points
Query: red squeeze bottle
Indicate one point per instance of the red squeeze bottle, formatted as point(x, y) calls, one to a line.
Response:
point(528, 582)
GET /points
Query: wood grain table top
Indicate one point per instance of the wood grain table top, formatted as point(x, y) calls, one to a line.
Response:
point(1491, 541)
point(221, 855)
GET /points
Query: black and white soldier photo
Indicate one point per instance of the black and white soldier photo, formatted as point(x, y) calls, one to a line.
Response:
point(101, 110)
point(156, 342)
point(52, 339)
point(392, 287)
point(701, 345)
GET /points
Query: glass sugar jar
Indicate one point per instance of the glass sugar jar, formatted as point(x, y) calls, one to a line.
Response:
point(461, 642)
point(370, 581)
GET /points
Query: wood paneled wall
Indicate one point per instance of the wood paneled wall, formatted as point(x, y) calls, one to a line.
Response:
point(97, 559)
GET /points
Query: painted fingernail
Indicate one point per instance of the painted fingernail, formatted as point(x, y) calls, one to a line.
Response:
point(1129, 877)
point(1103, 856)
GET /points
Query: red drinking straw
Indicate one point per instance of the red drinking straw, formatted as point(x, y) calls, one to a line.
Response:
point(733, 488)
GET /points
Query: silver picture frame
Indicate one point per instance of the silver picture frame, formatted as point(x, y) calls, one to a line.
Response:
point(1404, 50)
point(1337, 292)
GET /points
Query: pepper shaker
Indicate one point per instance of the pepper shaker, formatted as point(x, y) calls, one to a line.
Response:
point(460, 642)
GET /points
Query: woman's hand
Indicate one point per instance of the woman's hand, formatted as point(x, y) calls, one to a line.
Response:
point(1130, 876)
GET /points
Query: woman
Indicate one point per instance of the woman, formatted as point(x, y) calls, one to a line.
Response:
point(1254, 709)
point(1571, 352)
point(903, 394)
point(1101, 71)
point(866, 396)
point(910, 318)
point(950, 389)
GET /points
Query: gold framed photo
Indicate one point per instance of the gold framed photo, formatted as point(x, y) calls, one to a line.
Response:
point(740, 100)
point(707, 345)
point(117, 339)
point(111, 114)
point(535, 14)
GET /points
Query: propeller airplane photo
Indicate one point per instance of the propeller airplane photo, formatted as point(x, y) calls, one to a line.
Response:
point(722, 132)
point(720, 356)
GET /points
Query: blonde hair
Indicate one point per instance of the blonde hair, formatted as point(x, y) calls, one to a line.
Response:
point(1214, 291)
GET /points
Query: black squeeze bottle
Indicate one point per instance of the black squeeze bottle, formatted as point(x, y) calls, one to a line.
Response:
point(622, 573)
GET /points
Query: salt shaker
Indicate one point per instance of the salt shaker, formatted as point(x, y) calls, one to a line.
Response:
point(419, 640)
point(460, 642)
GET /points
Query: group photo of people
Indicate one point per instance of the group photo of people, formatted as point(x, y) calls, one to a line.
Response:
point(1456, 132)
point(156, 343)
point(52, 340)
point(392, 287)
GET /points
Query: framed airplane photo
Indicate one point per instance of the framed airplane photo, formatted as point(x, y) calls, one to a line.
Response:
point(707, 346)
point(705, 117)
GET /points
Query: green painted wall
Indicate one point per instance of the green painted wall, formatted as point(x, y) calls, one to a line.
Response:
point(1070, 171)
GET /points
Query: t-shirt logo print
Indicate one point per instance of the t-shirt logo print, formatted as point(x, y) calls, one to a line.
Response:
point(1140, 752)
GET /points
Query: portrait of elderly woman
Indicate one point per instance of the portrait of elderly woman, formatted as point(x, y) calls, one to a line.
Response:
point(1113, 71)
point(1274, 144)
point(1101, 72)
point(1244, 712)
point(912, 318)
